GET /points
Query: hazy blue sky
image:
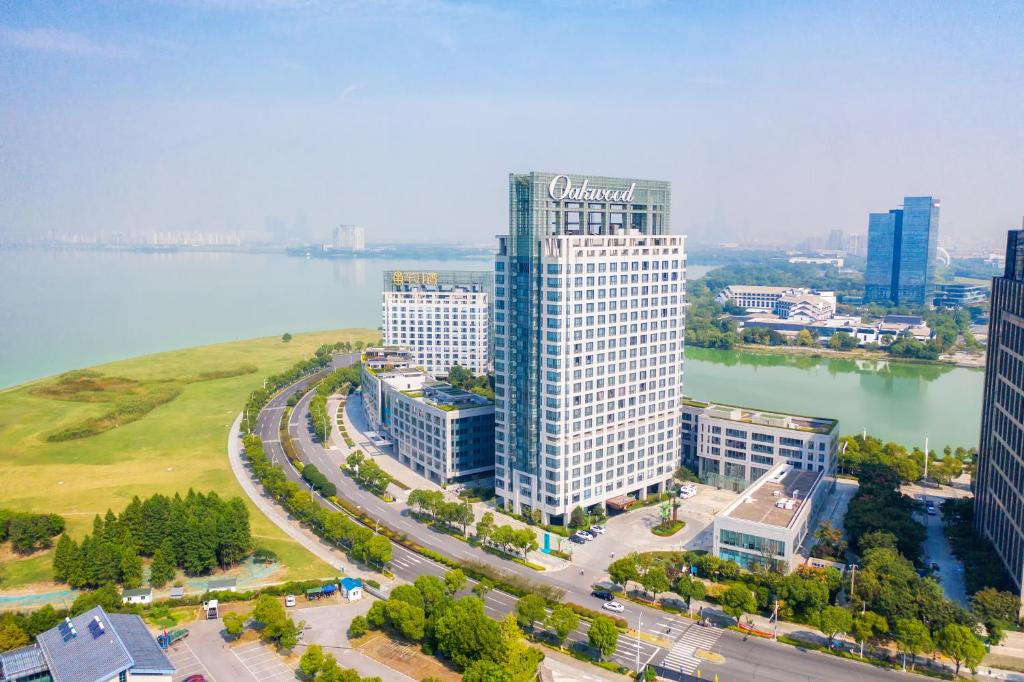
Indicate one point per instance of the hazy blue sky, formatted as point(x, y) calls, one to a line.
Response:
point(407, 115)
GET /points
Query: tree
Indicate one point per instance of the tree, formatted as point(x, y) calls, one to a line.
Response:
point(286, 337)
point(376, 550)
point(623, 570)
point(868, 625)
point(465, 634)
point(484, 527)
point(454, 581)
point(738, 600)
point(482, 587)
point(530, 608)
point(312, 660)
point(562, 621)
point(832, 620)
point(603, 635)
point(655, 580)
point(12, 637)
point(163, 568)
point(408, 619)
point(804, 338)
point(989, 605)
point(462, 515)
point(912, 637)
point(690, 588)
point(358, 627)
point(234, 623)
point(960, 644)
point(577, 519)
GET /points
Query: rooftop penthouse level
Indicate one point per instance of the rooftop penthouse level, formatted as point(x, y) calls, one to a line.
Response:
point(381, 357)
point(767, 524)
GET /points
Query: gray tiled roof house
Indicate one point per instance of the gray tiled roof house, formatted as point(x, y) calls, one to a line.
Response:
point(96, 647)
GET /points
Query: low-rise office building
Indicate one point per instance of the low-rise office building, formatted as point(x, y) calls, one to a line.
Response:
point(784, 302)
point(92, 647)
point(442, 317)
point(441, 432)
point(732, 447)
point(769, 522)
point(960, 295)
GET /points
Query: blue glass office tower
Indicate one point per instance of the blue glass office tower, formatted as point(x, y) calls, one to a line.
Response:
point(901, 253)
point(589, 310)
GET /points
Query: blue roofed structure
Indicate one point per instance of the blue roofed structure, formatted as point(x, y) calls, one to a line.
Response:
point(92, 647)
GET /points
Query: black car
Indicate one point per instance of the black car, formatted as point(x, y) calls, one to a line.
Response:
point(602, 594)
point(577, 539)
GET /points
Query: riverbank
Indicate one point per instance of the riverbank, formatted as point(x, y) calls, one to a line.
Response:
point(966, 360)
point(177, 445)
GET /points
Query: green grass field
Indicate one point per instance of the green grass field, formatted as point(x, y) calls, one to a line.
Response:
point(178, 445)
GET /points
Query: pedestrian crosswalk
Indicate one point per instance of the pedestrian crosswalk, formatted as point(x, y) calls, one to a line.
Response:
point(682, 656)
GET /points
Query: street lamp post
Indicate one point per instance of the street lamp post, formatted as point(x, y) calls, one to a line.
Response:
point(639, 627)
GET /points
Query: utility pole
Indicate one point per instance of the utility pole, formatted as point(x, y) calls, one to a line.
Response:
point(853, 582)
point(926, 455)
point(775, 617)
point(639, 627)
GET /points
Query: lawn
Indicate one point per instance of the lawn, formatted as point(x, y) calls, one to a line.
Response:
point(179, 444)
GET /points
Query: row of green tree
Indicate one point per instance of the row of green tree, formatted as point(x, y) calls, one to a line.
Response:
point(29, 532)
point(341, 380)
point(196, 533)
point(336, 527)
point(257, 399)
point(856, 451)
point(368, 473)
point(455, 628)
point(318, 481)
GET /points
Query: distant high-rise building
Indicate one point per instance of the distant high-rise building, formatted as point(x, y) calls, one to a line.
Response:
point(588, 326)
point(349, 237)
point(901, 253)
point(857, 244)
point(836, 240)
point(442, 317)
point(998, 488)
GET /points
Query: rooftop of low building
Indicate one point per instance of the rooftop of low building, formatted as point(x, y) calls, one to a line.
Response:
point(776, 498)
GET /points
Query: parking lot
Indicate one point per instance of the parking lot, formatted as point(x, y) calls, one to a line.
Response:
point(186, 662)
point(631, 531)
point(263, 663)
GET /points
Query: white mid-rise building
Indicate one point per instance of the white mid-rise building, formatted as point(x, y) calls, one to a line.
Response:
point(731, 447)
point(443, 318)
point(785, 302)
point(349, 237)
point(589, 322)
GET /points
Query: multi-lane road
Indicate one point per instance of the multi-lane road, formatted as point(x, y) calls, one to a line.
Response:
point(742, 659)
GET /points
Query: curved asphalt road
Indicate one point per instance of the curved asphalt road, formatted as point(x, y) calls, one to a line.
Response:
point(752, 659)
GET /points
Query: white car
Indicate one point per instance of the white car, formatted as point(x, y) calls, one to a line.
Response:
point(687, 492)
point(289, 600)
point(584, 534)
point(597, 529)
point(613, 606)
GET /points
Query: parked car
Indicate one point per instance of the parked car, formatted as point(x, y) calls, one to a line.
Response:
point(195, 678)
point(289, 600)
point(613, 606)
point(687, 491)
point(603, 594)
point(597, 529)
point(935, 567)
point(932, 511)
point(584, 534)
point(577, 539)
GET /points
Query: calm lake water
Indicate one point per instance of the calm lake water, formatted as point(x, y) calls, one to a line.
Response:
point(63, 310)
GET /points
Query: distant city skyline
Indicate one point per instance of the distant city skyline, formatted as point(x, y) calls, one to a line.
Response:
point(773, 122)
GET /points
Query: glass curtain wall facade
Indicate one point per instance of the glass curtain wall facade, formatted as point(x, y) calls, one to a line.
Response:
point(999, 486)
point(588, 326)
point(901, 253)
